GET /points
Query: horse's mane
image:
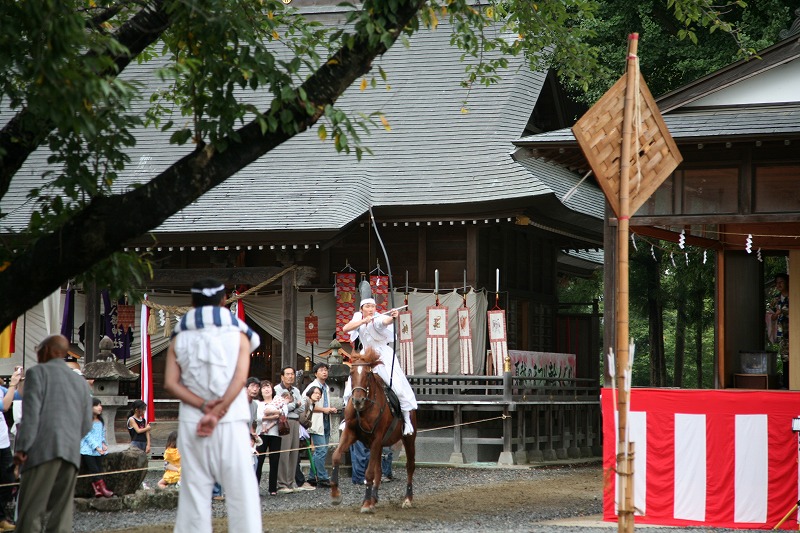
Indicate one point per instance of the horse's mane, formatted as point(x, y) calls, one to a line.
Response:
point(369, 357)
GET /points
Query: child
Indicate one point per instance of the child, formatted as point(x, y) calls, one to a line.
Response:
point(255, 442)
point(93, 447)
point(172, 462)
point(138, 427)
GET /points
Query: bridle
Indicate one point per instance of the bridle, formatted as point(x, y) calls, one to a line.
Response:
point(370, 379)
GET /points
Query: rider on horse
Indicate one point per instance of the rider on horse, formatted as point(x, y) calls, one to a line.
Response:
point(377, 331)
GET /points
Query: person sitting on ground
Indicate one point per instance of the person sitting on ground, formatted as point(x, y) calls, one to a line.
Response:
point(172, 462)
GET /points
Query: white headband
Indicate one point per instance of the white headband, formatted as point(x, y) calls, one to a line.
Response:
point(209, 292)
point(366, 301)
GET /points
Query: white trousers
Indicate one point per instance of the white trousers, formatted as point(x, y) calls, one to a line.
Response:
point(400, 384)
point(224, 457)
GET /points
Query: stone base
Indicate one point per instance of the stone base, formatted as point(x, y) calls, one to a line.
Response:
point(127, 458)
point(535, 456)
point(520, 457)
point(506, 458)
point(456, 458)
point(141, 499)
point(573, 452)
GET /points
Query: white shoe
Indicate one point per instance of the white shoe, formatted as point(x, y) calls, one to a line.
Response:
point(341, 426)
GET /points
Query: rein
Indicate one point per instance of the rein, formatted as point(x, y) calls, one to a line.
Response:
point(369, 377)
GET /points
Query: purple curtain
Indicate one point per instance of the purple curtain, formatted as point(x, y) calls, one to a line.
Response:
point(122, 338)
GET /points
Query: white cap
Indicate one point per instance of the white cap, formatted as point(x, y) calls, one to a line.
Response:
point(366, 301)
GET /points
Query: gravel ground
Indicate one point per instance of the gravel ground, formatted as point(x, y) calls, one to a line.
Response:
point(516, 499)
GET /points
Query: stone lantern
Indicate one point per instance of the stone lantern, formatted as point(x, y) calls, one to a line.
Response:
point(104, 376)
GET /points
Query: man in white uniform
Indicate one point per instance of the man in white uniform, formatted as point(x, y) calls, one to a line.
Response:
point(208, 361)
point(377, 331)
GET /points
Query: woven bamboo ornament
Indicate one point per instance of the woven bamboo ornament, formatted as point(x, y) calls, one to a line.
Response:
point(465, 340)
point(654, 154)
point(406, 337)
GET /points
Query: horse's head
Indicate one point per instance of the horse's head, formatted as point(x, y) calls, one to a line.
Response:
point(361, 377)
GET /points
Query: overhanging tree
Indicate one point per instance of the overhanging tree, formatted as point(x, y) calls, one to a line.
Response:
point(60, 92)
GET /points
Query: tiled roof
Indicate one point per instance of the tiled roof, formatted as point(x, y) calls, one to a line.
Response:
point(434, 155)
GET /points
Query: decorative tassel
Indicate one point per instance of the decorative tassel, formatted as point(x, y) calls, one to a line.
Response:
point(152, 328)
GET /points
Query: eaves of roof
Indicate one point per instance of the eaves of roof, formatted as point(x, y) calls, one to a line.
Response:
point(778, 54)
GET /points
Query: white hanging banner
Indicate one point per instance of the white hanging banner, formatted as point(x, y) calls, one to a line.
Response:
point(406, 337)
point(437, 361)
point(496, 320)
point(465, 340)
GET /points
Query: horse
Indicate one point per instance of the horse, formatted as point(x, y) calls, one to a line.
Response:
point(368, 417)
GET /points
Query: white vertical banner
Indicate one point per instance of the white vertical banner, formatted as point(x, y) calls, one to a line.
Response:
point(751, 469)
point(465, 340)
point(690, 467)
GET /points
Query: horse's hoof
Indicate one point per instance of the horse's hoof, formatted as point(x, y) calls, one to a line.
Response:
point(336, 500)
point(367, 510)
point(406, 503)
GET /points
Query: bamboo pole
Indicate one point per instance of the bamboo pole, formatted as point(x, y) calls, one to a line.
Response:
point(624, 464)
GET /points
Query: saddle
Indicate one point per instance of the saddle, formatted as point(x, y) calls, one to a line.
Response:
point(394, 402)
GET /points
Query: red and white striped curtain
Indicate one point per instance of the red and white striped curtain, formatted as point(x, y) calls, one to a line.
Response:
point(496, 321)
point(346, 302)
point(437, 361)
point(465, 340)
point(707, 458)
point(406, 337)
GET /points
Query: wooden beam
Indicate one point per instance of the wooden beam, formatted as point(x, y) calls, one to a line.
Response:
point(184, 277)
point(666, 235)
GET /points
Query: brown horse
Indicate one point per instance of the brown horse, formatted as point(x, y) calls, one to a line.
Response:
point(368, 418)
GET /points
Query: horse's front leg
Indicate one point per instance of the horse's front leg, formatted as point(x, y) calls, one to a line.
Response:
point(373, 477)
point(345, 441)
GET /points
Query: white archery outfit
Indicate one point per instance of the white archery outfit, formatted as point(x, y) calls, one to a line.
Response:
point(206, 349)
point(378, 335)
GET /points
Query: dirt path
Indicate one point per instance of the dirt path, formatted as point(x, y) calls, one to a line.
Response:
point(545, 495)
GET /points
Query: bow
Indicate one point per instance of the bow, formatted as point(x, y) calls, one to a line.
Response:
point(391, 289)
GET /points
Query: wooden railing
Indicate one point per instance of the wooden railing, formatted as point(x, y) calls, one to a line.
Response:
point(545, 419)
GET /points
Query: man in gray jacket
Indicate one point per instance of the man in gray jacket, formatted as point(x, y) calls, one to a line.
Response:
point(57, 413)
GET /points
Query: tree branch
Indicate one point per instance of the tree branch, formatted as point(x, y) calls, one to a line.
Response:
point(23, 133)
point(98, 230)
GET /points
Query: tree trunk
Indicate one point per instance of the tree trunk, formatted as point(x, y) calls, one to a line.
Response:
point(680, 338)
point(655, 308)
point(698, 336)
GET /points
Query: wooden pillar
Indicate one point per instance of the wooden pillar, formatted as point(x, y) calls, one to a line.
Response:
point(457, 457)
point(506, 457)
point(794, 321)
point(91, 329)
point(289, 308)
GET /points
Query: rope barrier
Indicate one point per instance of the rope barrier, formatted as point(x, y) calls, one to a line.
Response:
point(330, 445)
point(180, 310)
